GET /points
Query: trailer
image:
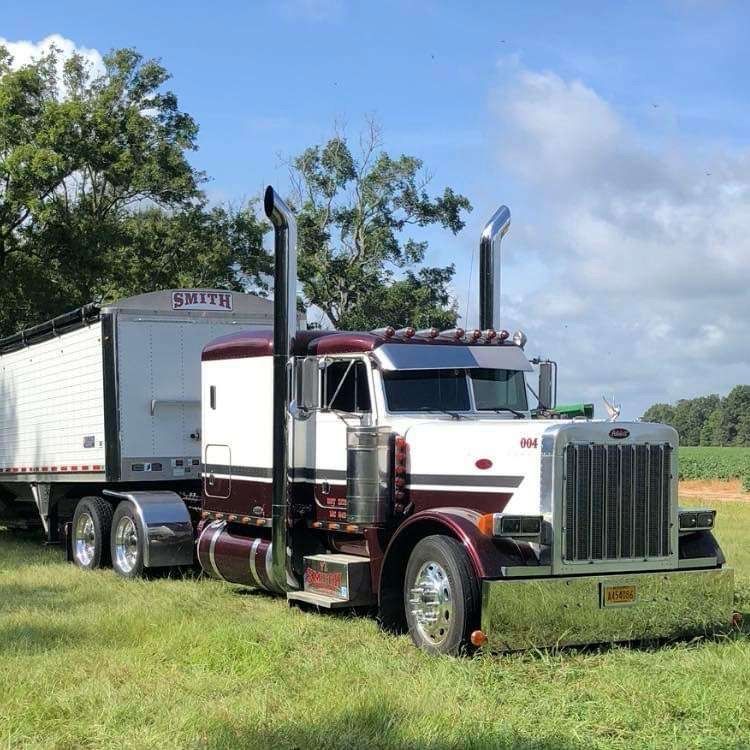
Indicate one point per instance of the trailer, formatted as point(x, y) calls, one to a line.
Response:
point(107, 398)
point(400, 471)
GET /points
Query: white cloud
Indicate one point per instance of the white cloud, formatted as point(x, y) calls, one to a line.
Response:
point(646, 249)
point(24, 51)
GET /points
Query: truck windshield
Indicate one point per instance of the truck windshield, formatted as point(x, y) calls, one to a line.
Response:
point(498, 389)
point(448, 390)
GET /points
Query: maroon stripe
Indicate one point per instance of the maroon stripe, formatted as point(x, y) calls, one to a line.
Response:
point(482, 502)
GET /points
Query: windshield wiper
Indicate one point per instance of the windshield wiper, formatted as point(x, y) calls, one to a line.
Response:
point(451, 414)
point(500, 409)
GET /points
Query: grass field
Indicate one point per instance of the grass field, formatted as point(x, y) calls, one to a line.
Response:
point(91, 661)
point(715, 463)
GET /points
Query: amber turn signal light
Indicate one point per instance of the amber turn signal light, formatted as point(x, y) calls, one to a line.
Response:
point(478, 638)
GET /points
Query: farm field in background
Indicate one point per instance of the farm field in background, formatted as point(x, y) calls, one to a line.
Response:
point(706, 463)
point(92, 661)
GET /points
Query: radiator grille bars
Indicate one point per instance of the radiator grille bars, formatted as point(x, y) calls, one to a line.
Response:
point(617, 502)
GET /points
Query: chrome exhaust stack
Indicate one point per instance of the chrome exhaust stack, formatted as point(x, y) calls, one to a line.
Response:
point(284, 331)
point(489, 268)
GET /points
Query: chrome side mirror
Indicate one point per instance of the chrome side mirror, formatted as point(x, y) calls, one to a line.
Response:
point(308, 384)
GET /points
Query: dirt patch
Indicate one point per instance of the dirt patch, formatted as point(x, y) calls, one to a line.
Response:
point(713, 489)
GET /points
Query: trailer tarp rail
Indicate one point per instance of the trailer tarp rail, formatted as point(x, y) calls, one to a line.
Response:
point(62, 323)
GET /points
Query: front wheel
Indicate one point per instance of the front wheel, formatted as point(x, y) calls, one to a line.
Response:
point(127, 542)
point(441, 596)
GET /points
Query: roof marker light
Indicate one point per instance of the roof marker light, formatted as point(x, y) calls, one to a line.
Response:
point(503, 335)
point(452, 333)
point(405, 333)
point(489, 334)
point(474, 335)
point(427, 333)
point(519, 339)
point(387, 333)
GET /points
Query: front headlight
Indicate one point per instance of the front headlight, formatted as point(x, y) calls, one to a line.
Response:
point(701, 519)
point(507, 526)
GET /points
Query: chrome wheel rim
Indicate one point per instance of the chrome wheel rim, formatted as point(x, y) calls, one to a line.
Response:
point(84, 539)
point(126, 544)
point(431, 602)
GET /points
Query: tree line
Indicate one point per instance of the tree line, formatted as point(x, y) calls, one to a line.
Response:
point(99, 201)
point(708, 420)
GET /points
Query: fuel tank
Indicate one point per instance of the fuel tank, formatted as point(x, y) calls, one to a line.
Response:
point(231, 556)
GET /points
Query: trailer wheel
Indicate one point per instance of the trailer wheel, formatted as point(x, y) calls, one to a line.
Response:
point(127, 542)
point(92, 521)
point(441, 596)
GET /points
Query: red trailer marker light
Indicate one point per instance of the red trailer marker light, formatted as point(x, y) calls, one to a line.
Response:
point(483, 463)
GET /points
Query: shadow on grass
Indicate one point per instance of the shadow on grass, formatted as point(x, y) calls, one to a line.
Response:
point(38, 639)
point(373, 726)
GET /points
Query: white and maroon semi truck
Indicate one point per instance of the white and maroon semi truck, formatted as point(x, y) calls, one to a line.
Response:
point(398, 470)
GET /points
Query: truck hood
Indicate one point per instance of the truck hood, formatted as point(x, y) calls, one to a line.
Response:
point(495, 465)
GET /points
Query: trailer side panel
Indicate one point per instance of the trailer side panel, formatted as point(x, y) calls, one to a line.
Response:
point(52, 407)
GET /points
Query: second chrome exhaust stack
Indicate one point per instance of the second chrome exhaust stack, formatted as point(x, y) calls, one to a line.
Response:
point(489, 268)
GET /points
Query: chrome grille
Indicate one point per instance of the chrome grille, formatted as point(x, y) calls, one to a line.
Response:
point(616, 503)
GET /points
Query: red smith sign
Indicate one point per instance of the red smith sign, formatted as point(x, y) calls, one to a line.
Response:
point(197, 300)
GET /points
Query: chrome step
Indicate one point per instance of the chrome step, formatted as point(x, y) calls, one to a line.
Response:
point(318, 600)
point(339, 578)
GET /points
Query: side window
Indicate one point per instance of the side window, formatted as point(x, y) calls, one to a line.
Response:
point(347, 385)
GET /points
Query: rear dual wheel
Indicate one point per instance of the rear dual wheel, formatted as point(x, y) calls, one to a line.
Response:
point(127, 542)
point(92, 521)
point(102, 536)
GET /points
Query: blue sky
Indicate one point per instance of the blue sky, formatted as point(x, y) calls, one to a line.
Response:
point(617, 133)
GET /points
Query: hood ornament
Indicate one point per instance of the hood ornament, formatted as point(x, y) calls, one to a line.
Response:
point(613, 410)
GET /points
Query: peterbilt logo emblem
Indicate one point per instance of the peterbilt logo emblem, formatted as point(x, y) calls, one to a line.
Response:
point(198, 300)
point(619, 433)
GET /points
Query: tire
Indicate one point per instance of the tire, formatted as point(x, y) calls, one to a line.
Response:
point(441, 596)
point(92, 521)
point(126, 542)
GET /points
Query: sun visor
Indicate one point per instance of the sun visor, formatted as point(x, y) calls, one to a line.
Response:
point(437, 357)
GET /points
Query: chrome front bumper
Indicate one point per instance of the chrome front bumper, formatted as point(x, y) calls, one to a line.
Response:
point(544, 612)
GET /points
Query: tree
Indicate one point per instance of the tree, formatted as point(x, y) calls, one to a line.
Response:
point(691, 414)
point(716, 429)
point(736, 407)
point(708, 420)
point(420, 300)
point(354, 215)
point(197, 247)
point(663, 413)
point(97, 196)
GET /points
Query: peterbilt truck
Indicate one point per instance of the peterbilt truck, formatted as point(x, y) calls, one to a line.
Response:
point(401, 471)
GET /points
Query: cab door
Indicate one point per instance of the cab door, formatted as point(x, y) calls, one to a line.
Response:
point(346, 400)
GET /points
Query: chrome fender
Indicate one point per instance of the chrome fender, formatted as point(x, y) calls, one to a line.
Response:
point(165, 525)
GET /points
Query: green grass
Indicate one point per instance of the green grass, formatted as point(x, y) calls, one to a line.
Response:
point(90, 661)
point(715, 463)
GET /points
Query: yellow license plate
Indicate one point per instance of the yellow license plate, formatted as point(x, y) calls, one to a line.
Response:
point(618, 596)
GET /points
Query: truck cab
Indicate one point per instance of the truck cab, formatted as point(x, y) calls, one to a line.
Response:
point(425, 485)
